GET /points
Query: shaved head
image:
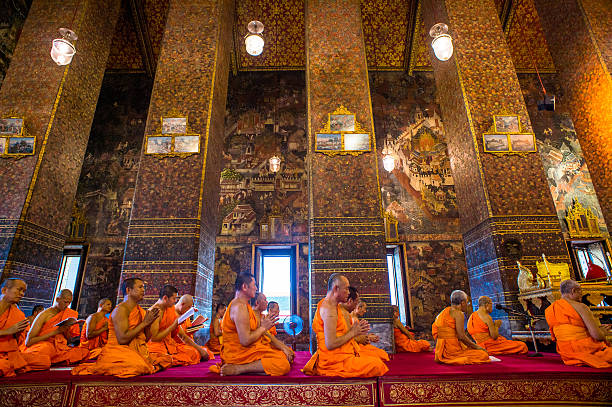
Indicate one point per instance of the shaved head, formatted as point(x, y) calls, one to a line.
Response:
point(10, 283)
point(186, 299)
point(65, 293)
point(335, 279)
point(567, 286)
point(457, 297)
point(483, 300)
point(102, 301)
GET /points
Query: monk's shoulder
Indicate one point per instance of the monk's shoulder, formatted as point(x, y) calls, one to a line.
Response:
point(46, 315)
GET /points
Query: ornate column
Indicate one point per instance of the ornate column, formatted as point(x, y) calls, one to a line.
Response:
point(171, 236)
point(583, 59)
point(346, 225)
point(57, 104)
point(504, 202)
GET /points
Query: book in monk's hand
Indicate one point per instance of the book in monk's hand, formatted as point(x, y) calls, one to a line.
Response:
point(186, 315)
point(69, 322)
point(194, 328)
point(199, 320)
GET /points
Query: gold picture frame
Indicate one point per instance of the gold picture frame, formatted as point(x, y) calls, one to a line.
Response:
point(342, 134)
point(496, 143)
point(523, 143)
point(507, 123)
point(173, 138)
point(15, 142)
point(509, 143)
point(11, 126)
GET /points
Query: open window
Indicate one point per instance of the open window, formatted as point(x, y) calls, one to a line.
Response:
point(591, 255)
point(397, 282)
point(71, 272)
point(275, 272)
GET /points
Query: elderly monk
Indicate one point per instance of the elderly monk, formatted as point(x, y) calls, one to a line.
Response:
point(94, 334)
point(166, 335)
point(365, 348)
point(45, 338)
point(273, 309)
point(338, 353)
point(244, 349)
point(580, 338)
point(126, 353)
point(13, 323)
point(485, 331)
point(259, 303)
point(216, 338)
point(453, 347)
point(182, 306)
point(404, 339)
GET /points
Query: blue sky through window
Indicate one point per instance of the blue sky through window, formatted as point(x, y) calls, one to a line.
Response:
point(277, 282)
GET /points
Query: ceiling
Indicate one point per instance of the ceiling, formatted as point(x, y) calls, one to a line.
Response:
point(395, 36)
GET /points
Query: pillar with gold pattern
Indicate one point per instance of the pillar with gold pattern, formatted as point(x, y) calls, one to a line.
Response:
point(171, 235)
point(507, 213)
point(46, 113)
point(583, 59)
point(346, 225)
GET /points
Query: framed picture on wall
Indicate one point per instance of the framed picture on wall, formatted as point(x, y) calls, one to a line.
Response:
point(159, 145)
point(507, 123)
point(174, 125)
point(187, 144)
point(356, 142)
point(495, 143)
point(523, 142)
point(21, 146)
point(328, 141)
point(342, 122)
point(11, 126)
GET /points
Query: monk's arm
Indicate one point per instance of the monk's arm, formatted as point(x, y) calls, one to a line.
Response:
point(493, 331)
point(34, 338)
point(240, 316)
point(15, 328)
point(121, 324)
point(188, 341)
point(92, 322)
point(158, 335)
point(398, 324)
point(459, 328)
point(330, 321)
point(589, 320)
point(216, 327)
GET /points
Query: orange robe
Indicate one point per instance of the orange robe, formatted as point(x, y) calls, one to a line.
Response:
point(56, 347)
point(273, 360)
point(371, 350)
point(214, 342)
point(500, 346)
point(272, 331)
point(128, 360)
point(187, 324)
point(344, 361)
point(11, 358)
point(171, 344)
point(405, 343)
point(449, 349)
point(94, 345)
point(574, 343)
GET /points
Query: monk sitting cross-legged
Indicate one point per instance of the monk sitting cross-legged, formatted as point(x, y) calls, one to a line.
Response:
point(215, 340)
point(94, 334)
point(13, 323)
point(580, 338)
point(338, 353)
point(404, 339)
point(451, 341)
point(365, 348)
point(47, 339)
point(182, 306)
point(485, 331)
point(244, 349)
point(259, 303)
point(126, 353)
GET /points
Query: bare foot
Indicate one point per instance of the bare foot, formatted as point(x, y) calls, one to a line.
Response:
point(230, 370)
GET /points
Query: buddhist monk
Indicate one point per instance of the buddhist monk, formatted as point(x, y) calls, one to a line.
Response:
point(485, 331)
point(259, 303)
point(244, 350)
point(37, 309)
point(215, 340)
point(338, 352)
point(453, 347)
point(13, 323)
point(126, 353)
point(182, 306)
point(48, 339)
point(580, 338)
point(166, 335)
point(404, 339)
point(364, 341)
point(94, 334)
point(273, 309)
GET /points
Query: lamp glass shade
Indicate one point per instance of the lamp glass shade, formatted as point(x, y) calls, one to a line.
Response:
point(388, 162)
point(62, 51)
point(275, 163)
point(254, 44)
point(443, 47)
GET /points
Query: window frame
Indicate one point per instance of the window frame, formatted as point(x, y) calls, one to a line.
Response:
point(80, 251)
point(390, 250)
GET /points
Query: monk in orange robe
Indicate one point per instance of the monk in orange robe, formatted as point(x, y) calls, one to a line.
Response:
point(166, 334)
point(48, 339)
point(453, 347)
point(259, 303)
point(404, 339)
point(338, 353)
point(182, 306)
point(485, 331)
point(94, 334)
point(13, 323)
point(273, 309)
point(364, 341)
point(580, 338)
point(244, 350)
point(216, 333)
point(126, 353)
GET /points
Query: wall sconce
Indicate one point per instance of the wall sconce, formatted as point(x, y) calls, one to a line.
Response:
point(388, 162)
point(275, 163)
point(63, 49)
point(254, 41)
point(442, 43)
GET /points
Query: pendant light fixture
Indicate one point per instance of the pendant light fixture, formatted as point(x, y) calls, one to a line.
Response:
point(442, 43)
point(254, 41)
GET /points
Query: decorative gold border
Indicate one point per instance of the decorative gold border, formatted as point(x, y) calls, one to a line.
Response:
point(484, 144)
point(326, 129)
point(161, 121)
point(22, 127)
point(22, 134)
point(535, 146)
point(518, 118)
point(510, 151)
point(172, 138)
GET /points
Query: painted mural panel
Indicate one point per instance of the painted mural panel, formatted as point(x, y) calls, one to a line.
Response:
point(419, 191)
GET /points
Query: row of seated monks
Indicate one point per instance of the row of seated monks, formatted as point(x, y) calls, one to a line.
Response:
point(136, 342)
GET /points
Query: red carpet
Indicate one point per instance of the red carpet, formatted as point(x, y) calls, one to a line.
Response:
point(413, 379)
